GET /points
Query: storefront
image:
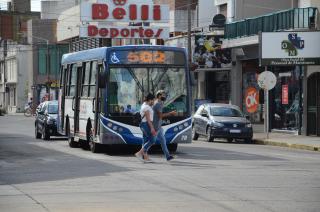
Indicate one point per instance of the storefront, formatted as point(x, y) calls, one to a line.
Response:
point(313, 104)
point(290, 55)
point(285, 98)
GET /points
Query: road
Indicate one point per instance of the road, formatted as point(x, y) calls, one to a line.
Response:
point(37, 175)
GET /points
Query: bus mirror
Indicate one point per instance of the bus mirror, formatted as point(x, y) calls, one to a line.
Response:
point(102, 79)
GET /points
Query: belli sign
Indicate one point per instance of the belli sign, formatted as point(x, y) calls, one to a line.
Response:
point(124, 19)
point(290, 48)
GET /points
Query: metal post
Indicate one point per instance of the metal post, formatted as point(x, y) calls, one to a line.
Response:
point(48, 71)
point(266, 105)
point(189, 32)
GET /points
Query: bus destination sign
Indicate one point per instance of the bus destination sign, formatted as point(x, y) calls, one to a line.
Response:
point(147, 57)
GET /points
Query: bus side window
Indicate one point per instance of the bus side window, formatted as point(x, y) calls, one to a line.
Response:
point(73, 80)
point(61, 77)
point(93, 76)
point(67, 80)
point(86, 80)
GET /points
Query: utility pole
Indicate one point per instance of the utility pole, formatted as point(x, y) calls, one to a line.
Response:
point(48, 70)
point(189, 32)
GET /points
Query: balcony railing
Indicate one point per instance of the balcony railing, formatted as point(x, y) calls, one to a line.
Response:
point(297, 18)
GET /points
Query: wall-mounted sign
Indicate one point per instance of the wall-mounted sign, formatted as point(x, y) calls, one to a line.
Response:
point(123, 32)
point(290, 48)
point(285, 94)
point(252, 99)
point(115, 19)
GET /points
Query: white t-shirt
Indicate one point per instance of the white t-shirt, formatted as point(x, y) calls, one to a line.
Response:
point(145, 107)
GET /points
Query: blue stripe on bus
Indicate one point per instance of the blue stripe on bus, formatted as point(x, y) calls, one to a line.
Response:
point(130, 138)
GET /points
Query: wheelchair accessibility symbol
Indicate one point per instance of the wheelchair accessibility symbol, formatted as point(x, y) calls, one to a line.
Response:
point(114, 58)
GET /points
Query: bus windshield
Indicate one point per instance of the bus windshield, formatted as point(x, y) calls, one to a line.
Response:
point(127, 86)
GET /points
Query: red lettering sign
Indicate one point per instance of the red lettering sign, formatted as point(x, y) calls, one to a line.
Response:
point(101, 12)
point(138, 32)
point(285, 94)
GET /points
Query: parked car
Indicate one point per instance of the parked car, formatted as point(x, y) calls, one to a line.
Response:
point(215, 120)
point(46, 120)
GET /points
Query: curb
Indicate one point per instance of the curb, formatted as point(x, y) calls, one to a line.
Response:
point(285, 144)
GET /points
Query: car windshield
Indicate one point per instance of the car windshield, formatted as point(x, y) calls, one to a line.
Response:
point(127, 86)
point(52, 108)
point(225, 111)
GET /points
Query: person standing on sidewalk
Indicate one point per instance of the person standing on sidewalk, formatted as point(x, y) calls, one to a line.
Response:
point(157, 121)
point(147, 128)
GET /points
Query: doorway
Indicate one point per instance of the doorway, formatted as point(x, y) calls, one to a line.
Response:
point(313, 105)
point(218, 86)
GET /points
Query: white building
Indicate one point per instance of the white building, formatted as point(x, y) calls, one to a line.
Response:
point(51, 9)
point(14, 80)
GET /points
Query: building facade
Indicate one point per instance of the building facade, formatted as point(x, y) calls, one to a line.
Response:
point(14, 81)
point(292, 109)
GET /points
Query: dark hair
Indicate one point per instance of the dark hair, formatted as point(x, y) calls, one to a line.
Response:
point(149, 97)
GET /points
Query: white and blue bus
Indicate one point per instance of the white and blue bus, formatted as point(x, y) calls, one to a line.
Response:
point(102, 89)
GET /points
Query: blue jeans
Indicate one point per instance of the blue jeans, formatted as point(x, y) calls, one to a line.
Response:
point(148, 138)
point(163, 142)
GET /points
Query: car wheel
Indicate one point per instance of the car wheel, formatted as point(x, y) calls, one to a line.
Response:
point(45, 134)
point(36, 132)
point(195, 135)
point(230, 140)
point(71, 141)
point(248, 140)
point(209, 136)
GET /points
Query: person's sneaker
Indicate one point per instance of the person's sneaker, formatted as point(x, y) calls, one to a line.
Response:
point(139, 156)
point(170, 158)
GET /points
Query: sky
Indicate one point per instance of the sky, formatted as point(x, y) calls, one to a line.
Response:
point(35, 5)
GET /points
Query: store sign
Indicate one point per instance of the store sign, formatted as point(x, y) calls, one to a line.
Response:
point(285, 94)
point(252, 99)
point(290, 48)
point(123, 32)
point(117, 19)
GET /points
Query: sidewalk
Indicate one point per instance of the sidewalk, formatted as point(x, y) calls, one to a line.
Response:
point(288, 140)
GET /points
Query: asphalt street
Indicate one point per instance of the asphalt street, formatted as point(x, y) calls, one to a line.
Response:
point(37, 175)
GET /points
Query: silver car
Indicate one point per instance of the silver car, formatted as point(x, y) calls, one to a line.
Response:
point(215, 120)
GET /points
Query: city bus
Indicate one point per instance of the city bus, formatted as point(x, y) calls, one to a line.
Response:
point(102, 90)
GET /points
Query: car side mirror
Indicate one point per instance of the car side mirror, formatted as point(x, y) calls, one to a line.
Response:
point(40, 112)
point(247, 117)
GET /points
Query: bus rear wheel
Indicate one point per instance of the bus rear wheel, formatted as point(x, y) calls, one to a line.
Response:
point(71, 141)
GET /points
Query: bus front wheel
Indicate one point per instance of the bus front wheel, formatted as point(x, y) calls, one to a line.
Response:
point(172, 147)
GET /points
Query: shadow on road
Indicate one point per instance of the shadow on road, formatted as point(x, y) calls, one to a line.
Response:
point(23, 162)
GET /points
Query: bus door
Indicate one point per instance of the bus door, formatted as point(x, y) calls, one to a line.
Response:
point(76, 97)
point(62, 94)
point(98, 100)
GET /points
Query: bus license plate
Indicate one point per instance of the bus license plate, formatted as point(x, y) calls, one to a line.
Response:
point(235, 131)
